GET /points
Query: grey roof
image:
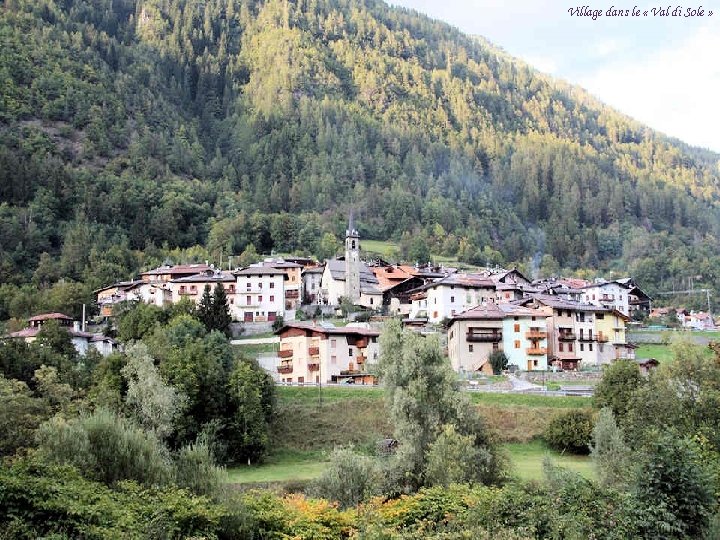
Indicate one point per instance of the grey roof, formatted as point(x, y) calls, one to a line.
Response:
point(314, 270)
point(562, 303)
point(368, 282)
point(259, 271)
point(210, 276)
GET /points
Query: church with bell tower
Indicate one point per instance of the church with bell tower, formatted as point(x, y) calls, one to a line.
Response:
point(352, 262)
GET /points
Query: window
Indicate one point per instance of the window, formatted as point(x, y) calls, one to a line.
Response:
point(333, 359)
point(259, 284)
point(517, 343)
point(272, 284)
point(533, 318)
point(470, 348)
point(248, 300)
point(517, 327)
point(272, 298)
point(516, 318)
point(570, 347)
point(495, 346)
point(582, 346)
point(561, 347)
point(452, 299)
point(535, 363)
point(260, 298)
point(350, 352)
point(600, 316)
point(590, 346)
point(371, 301)
point(507, 295)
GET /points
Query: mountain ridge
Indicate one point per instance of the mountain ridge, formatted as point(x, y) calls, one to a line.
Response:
point(133, 124)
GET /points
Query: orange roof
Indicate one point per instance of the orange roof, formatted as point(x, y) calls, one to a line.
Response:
point(389, 276)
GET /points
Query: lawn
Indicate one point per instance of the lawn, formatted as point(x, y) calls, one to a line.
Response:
point(526, 462)
point(252, 351)
point(339, 393)
point(661, 353)
point(283, 467)
point(383, 248)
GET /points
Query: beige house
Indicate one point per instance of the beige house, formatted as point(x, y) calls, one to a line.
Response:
point(473, 336)
point(311, 353)
point(193, 287)
point(333, 287)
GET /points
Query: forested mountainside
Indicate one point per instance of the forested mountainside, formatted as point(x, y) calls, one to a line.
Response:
point(129, 128)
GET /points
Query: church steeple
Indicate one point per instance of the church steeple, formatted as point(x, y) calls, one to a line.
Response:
point(352, 261)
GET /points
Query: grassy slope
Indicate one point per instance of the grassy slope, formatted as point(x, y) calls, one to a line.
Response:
point(526, 462)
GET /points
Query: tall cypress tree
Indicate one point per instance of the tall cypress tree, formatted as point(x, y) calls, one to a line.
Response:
point(205, 308)
point(220, 312)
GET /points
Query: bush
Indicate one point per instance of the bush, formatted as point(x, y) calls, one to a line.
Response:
point(570, 431)
point(349, 479)
point(499, 361)
point(620, 379)
point(107, 447)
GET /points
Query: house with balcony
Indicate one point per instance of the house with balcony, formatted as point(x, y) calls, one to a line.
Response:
point(193, 287)
point(293, 281)
point(259, 294)
point(525, 337)
point(150, 292)
point(611, 337)
point(473, 335)
point(562, 327)
point(318, 354)
point(608, 294)
point(451, 295)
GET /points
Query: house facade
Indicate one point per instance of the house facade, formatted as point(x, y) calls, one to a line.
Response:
point(316, 354)
point(81, 340)
point(193, 287)
point(311, 280)
point(259, 294)
point(449, 296)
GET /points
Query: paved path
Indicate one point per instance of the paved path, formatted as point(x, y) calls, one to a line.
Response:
point(255, 341)
point(518, 385)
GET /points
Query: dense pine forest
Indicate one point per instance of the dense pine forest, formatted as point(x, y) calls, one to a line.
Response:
point(132, 131)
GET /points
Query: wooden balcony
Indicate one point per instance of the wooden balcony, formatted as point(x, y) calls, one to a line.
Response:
point(315, 366)
point(586, 338)
point(567, 336)
point(535, 334)
point(483, 337)
point(350, 372)
point(285, 353)
point(285, 368)
point(313, 351)
point(536, 351)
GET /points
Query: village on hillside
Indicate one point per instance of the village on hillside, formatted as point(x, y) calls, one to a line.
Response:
point(556, 324)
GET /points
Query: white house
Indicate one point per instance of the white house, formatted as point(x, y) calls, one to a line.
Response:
point(608, 294)
point(451, 295)
point(311, 280)
point(259, 294)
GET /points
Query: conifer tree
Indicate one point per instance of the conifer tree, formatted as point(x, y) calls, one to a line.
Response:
point(205, 308)
point(220, 318)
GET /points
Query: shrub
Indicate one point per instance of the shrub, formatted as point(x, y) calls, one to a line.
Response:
point(195, 469)
point(454, 459)
point(349, 479)
point(570, 431)
point(499, 361)
point(107, 448)
point(620, 379)
point(609, 451)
